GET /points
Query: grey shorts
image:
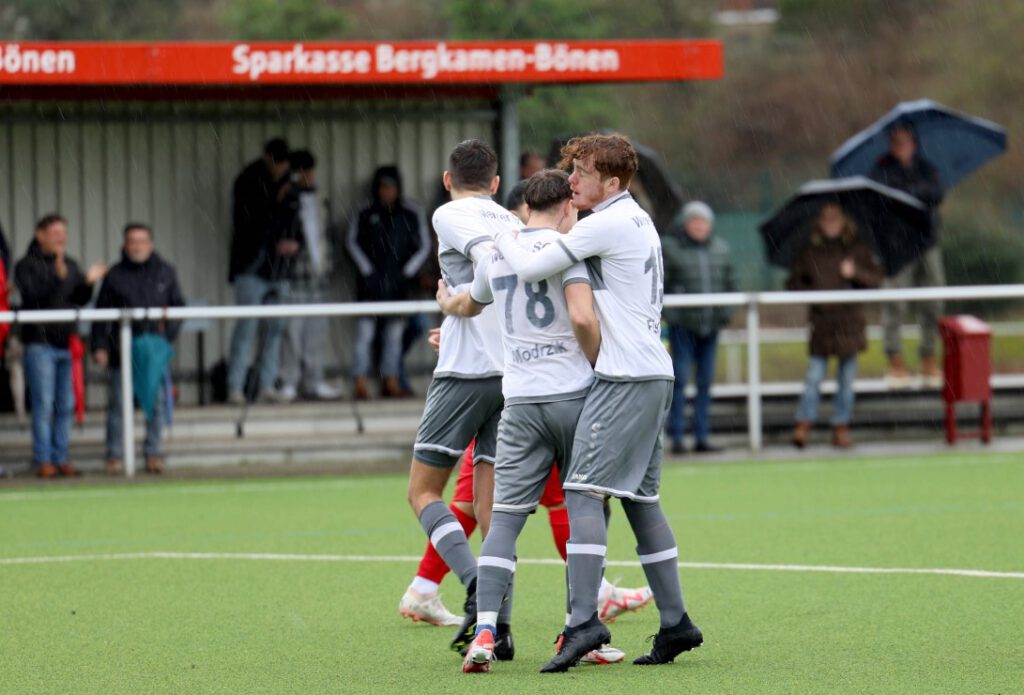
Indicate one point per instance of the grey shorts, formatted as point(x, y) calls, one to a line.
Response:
point(531, 438)
point(617, 450)
point(457, 411)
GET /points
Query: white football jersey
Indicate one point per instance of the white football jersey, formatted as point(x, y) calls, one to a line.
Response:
point(622, 251)
point(470, 348)
point(543, 361)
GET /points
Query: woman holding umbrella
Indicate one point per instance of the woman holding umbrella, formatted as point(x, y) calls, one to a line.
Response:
point(835, 258)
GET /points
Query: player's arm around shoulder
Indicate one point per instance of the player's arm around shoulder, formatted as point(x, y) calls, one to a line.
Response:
point(579, 298)
point(461, 304)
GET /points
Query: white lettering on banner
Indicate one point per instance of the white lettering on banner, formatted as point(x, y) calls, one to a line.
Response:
point(16, 60)
point(428, 63)
point(298, 61)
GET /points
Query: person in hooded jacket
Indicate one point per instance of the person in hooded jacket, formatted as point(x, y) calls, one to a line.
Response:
point(836, 258)
point(388, 242)
point(141, 279)
point(696, 261)
point(48, 279)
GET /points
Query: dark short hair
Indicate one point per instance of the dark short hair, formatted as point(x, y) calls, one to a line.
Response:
point(46, 220)
point(277, 149)
point(613, 155)
point(302, 160)
point(546, 189)
point(132, 226)
point(516, 195)
point(472, 165)
point(904, 125)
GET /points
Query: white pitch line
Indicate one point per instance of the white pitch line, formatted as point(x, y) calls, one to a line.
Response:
point(293, 557)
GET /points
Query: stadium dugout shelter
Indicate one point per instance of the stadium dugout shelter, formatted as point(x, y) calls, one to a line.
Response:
point(105, 133)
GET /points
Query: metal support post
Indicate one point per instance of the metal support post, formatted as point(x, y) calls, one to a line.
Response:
point(509, 134)
point(127, 396)
point(754, 374)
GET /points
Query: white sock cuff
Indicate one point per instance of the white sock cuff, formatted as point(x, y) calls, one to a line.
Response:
point(661, 556)
point(444, 530)
point(423, 585)
point(585, 549)
point(500, 562)
point(487, 618)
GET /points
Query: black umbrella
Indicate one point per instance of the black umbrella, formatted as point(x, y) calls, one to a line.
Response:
point(955, 143)
point(892, 222)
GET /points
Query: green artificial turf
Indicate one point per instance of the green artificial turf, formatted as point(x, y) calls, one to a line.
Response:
point(294, 625)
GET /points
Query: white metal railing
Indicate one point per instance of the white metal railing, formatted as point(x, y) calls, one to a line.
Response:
point(753, 301)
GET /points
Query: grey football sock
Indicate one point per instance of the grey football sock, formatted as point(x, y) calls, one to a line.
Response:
point(497, 568)
point(505, 613)
point(588, 540)
point(449, 540)
point(659, 557)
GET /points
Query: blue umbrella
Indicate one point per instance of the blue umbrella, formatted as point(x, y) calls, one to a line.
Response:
point(955, 143)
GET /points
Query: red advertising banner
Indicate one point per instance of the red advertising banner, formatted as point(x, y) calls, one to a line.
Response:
point(355, 63)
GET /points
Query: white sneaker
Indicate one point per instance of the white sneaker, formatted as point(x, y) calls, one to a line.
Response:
point(606, 654)
point(236, 398)
point(286, 394)
point(616, 601)
point(325, 392)
point(426, 608)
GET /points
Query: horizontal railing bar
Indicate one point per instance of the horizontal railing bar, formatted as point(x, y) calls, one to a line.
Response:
point(352, 309)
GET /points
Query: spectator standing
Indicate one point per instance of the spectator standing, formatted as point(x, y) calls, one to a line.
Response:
point(305, 339)
point(263, 243)
point(696, 261)
point(530, 162)
point(389, 242)
point(48, 279)
point(836, 258)
point(140, 279)
point(5, 264)
point(905, 169)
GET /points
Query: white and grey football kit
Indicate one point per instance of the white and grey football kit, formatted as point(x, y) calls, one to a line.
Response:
point(617, 449)
point(547, 378)
point(464, 399)
point(618, 443)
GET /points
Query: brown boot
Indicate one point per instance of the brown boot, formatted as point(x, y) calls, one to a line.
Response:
point(154, 465)
point(898, 376)
point(841, 437)
point(113, 467)
point(47, 470)
point(801, 433)
point(391, 388)
point(360, 391)
point(931, 375)
point(67, 470)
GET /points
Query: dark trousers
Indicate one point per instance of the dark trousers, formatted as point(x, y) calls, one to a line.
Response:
point(691, 350)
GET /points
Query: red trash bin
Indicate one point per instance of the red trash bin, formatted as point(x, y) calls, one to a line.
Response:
point(967, 363)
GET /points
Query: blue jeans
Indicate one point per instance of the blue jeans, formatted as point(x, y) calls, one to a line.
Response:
point(252, 289)
point(48, 372)
point(842, 403)
point(115, 421)
point(689, 349)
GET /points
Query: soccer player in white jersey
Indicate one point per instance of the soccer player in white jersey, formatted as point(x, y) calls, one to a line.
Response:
point(551, 339)
point(617, 450)
point(464, 400)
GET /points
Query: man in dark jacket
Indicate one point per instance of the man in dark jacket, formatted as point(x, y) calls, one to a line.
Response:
point(696, 261)
point(141, 279)
point(388, 241)
point(263, 243)
point(905, 169)
point(48, 279)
